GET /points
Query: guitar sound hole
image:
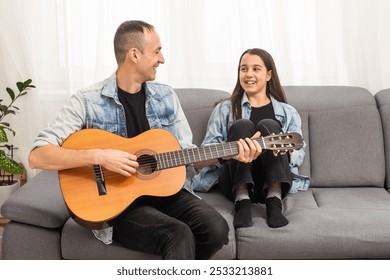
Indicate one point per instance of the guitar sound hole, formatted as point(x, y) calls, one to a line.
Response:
point(147, 164)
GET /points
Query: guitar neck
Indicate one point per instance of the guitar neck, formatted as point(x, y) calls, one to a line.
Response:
point(199, 154)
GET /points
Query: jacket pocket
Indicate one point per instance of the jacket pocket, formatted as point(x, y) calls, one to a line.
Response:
point(169, 123)
point(107, 126)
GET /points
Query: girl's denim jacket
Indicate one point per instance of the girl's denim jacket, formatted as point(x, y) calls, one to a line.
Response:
point(219, 124)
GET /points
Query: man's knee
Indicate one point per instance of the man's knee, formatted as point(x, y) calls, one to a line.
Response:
point(218, 230)
point(178, 243)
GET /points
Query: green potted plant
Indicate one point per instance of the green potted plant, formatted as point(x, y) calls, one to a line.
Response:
point(8, 166)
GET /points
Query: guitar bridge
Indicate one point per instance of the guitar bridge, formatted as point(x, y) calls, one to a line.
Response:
point(101, 184)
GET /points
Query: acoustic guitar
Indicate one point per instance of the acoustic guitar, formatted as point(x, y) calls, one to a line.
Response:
point(95, 196)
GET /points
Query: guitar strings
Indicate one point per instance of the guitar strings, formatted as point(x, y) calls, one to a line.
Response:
point(183, 157)
point(186, 156)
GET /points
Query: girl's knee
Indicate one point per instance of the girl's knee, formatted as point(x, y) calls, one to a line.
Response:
point(268, 126)
point(241, 129)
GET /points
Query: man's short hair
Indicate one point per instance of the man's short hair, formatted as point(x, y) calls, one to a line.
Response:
point(130, 34)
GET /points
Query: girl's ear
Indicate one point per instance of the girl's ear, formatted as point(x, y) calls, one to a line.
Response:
point(269, 75)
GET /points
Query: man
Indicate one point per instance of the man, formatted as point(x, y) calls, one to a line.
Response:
point(181, 226)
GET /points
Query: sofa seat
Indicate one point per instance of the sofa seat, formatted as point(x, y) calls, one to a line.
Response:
point(331, 223)
point(79, 243)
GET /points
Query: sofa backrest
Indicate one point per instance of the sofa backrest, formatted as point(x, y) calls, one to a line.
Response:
point(343, 131)
point(383, 101)
point(341, 126)
point(197, 104)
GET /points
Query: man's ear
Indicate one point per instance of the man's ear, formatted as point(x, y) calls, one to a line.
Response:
point(132, 54)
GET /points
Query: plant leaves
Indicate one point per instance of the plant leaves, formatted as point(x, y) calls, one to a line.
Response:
point(9, 165)
point(3, 108)
point(20, 86)
point(27, 84)
point(11, 93)
point(4, 124)
point(3, 135)
point(11, 109)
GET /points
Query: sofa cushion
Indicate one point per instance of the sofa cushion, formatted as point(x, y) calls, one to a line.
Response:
point(39, 202)
point(343, 130)
point(28, 242)
point(324, 223)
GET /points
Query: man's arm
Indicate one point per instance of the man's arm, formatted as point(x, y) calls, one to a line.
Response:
point(52, 157)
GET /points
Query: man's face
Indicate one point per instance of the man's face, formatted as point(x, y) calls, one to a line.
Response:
point(151, 57)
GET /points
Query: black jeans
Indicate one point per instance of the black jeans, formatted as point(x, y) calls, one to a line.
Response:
point(177, 227)
point(261, 173)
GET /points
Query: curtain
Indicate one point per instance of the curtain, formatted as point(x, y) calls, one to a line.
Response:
point(65, 45)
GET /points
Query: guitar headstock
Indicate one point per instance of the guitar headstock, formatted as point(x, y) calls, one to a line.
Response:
point(283, 142)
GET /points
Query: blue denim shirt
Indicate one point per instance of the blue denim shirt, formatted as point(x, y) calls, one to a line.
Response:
point(219, 124)
point(99, 107)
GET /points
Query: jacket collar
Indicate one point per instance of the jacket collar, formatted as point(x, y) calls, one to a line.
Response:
point(278, 108)
point(110, 89)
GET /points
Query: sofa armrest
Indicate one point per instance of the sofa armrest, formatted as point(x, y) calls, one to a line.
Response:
point(383, 102)
point(39, 202)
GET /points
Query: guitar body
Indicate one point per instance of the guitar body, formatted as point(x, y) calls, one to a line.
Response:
point(79, 186)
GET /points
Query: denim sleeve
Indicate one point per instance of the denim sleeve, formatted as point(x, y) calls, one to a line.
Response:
point(70, 118)
point(295, 125)
point(217, 126)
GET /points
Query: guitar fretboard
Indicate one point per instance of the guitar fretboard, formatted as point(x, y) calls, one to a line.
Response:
point(199, 154)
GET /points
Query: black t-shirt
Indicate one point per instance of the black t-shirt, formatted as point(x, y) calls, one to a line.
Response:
point(134, 105)
point(261, 113)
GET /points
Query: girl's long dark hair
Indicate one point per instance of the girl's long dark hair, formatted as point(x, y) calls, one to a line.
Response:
point(274, 87)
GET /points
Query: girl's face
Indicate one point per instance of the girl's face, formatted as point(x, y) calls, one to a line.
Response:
point(253, 74)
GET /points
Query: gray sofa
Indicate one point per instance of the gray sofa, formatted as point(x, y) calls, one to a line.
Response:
point(344, 215)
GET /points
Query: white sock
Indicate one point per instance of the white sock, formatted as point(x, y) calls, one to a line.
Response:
point(275, 191)
point(241, 194)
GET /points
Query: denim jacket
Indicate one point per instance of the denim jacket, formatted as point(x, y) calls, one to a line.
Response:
point(99, 107)
point(219, 124)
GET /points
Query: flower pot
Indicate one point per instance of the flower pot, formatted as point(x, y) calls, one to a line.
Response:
point(6, 191)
